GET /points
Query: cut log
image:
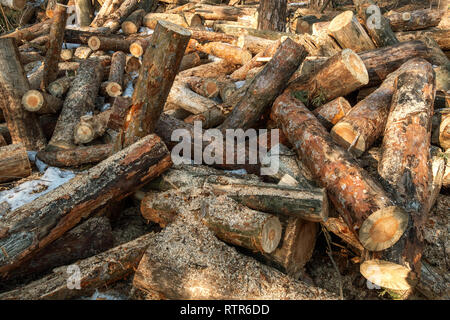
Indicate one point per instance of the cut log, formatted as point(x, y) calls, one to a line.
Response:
point(107, 8)
point(353, 192)
point(349, 33)
point(62, 208)
point(106, 43)
point(377, 26)
point(84, 12)
point(446, 179)
point(41, 102)
point(205, 87)
point(137, 48)
point(114, 87)
point(366, 121)
point(407, 134)
point(14, 4)
point(236, 224)
point(320, 45)
point(266, 86)
point(54, 47)
point(59, 87)
point(97, 271)
point(210, 118)
point(23, 125)
point(14, 162)
point(330, 113)
point(269, 52)
point(220, 277)
point(85, 240)
point(133, 22)
point(159, 68)
point(82, 52)
point(118, 113)
point(441, 128)
point(230, 53)
point(442, 37)
point(253, 44)
point(66, 54)
point(27, 57)
point(202, 36)
point(414, 20)
point(209, 70)
point(80, 100)
point(214, 12)
point(76, 156)
point(272, 15)
point(183, 97)
point(29, 33)
point(127, 7)
point(151, 19)
point(338, 76)
point(91, 127)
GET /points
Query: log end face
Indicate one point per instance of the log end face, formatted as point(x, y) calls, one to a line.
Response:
point(129, 27)
point(388, 275)
point(113, 89)
point(174, 28)
point(33, 100)
point(136, 49)
point(346, 136)
point(383, 228)
point(340, 21)
point(84, 133)
point(94, 43)
point(271, 234)
point(355, 66)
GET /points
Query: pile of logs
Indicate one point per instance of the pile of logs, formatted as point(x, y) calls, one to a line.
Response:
point(103, 96)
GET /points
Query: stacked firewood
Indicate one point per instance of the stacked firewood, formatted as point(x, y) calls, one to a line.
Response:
point(104, 96)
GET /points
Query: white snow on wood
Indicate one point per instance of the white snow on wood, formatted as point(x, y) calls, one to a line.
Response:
point(70, 45)
point(33, 189)
point(145, 30)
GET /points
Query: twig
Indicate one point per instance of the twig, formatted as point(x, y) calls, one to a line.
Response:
point(330, 254)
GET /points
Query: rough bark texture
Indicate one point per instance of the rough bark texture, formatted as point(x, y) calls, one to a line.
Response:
point(183, 97)
point(159, 68)
point(14, 162)
point(377, 26)
point(349, 33)
point(353, 192)
point(97, 271)
point(22, 125)
point(414, 20)
point(272, 15)
point(76, 156)
point(230, 275)
point(61, 209)
point(442, 37)
point(54, 47)
point(91, 127)
point(80, 100)
point(116, 72)
point(59, 87)
point(84, 12)
point(41, 102)
point(133, 22)
point(441, 128)
point(365, 123)
point(266, 86)
point(85, 240)
point(209, 70)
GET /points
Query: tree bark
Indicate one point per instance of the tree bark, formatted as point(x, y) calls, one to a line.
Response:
point(266, 86)
point(107, 43)
point(14, 4)
point(91, 127)
point(82, 52)
point(209, 70)
point(97, 271)
point(442, 37)
point(377, 25)
point(203, 35)
point(365, 123)
point(230, 53)
point(159, 68)
point(114, 87)
point(118, 16)
point(272, 15)
point(23, 125)
point(214, 12)
point(54, 47)
point(414, 20)
point(221, 276)
point(14, 162)
point(353, 192)
point(84, 12)
point(441, 128)
point(80, 100)
point(349, 33)
point(85, 240)
point(133, 22)
point(253, 44)
point(62, 208)
point(59, 87)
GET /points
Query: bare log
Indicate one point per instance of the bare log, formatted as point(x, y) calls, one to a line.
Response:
point(266, 86)
point(253, 44)
point(353, 192)
point(80, 100)
point(82, 52)
point(55, 45)
point(182, 96)
point(349, 33)
point(23, 125)
point(41, 102)
point(62, 208)
point(14, 162)
point(209, 70)
point(230, 53)
point(159, 68)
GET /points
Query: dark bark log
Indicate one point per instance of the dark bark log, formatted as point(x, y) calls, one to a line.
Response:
point(80, 100)
point(91, 127)
point(414, 20)
point(62, 208)
point(77, 156)
point(159, 68)
point(30, 33)
point(272, 15)
point(85, 240)
point(23, 125)
point(353, 192)
point(97, 271)
point(54, 47)
point(266, 86)
point(14, 162)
